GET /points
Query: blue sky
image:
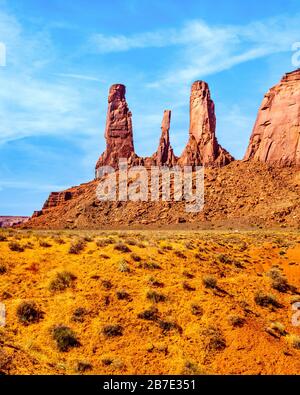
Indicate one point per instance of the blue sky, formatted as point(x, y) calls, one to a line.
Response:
point(62, 56)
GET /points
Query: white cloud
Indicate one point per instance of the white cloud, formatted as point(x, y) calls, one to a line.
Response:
point(206, 49)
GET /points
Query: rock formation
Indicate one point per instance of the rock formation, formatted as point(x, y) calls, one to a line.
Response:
point(118, 130)
point(9, 221)
point(276, 135)
point(203, 147)
point(164, 155)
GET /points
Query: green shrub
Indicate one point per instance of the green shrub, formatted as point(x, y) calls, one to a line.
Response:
point(265, 300)
point(62, 281)
point(28, 313)
point(155, 297)
point(14, 246)
point(150, 314)
point(112, 330)
point(209, 282)
point(77, 246)
point(65, 338)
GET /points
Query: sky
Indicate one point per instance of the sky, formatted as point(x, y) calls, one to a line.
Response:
point(62, 57)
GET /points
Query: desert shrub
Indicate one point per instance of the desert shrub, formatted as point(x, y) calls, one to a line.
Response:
point(104, 242)
point(88, 239)
point(135, 257)
point(167, 248)
point(44, 243)
point(28, 313)
point(106, 284)
point(59, 240)
point(167, 326)
point(236, 321)
point(150, 314)
point(266, 300)
point(187, 287)
point(123, 266)
point(295, 341)
point(274, 273)
point(216, 341)
point(14, 246)
point(65, 338)
point(78, 314)
point(151, 266)
point(62, 281)
point(131, 242)
point(278, 328)
point(190, 369)
point(154, 282)
point(209, 282)
point(82, 367)
point(3, 238)
point(280, 284)
point(180, 254)
point(3, 269)
point(122, 247)
point(155, 297)
point(225, 259)
point(196, 309)
point(122, 295)
point(141, 245)
point(77, 246)
point(112, 330)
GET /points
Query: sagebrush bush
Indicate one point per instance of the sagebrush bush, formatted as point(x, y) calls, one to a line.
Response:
point(78, 314)
point(123, 266)
point(112, 330)
point(122, 295)
point(150, 314)
point(65, 338)
point(62, 281)
point(266, 300)
point(14, 246)
point(209, 282)
point(122, 247)
point(45, 244)
point(82, 367)
point(77, 246)
point(236, 321)
point(29, 313)
point(155, 297)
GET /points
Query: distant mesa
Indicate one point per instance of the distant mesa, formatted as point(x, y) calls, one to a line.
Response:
point(9, 221)
point(276, 135)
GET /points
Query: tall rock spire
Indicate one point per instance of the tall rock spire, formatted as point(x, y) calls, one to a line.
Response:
point(118, 130)
point(276, 135)
point(203, 147)
point(164, 154)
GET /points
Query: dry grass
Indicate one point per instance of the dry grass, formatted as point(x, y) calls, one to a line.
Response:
point(146, 309)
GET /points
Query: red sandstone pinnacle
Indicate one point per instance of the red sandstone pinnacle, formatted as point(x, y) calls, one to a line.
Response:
point(118, 130)
point(164, 155)
point(203, 147)
point(276, 134)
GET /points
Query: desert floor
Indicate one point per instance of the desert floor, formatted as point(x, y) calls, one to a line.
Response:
point(180, 302)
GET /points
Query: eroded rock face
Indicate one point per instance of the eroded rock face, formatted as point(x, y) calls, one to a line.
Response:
point(118, 130)
point(203, 147)
point(164, 155)
point(276, 135)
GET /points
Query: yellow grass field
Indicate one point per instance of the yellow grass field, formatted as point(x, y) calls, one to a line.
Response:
point(149, 302)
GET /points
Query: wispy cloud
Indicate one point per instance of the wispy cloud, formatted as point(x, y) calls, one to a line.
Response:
point(206, 49)
point(79, 77)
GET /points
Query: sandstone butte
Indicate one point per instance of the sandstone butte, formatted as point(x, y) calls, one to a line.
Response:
point(276, 135)
point(270, 164)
